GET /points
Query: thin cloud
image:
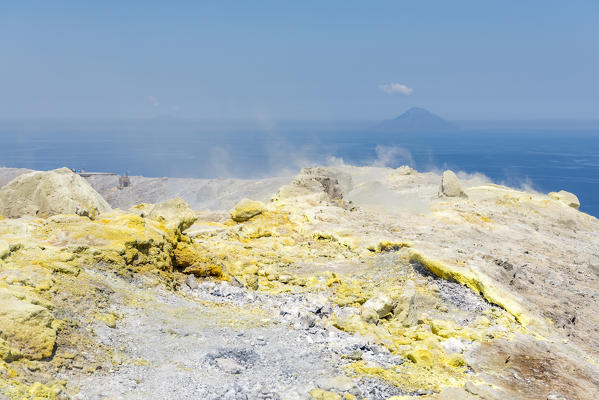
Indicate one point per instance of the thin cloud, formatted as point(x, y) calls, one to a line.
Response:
point(153, 101)
point(393, 88)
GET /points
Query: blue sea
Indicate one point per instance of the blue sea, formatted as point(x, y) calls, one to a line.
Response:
point(544, 159)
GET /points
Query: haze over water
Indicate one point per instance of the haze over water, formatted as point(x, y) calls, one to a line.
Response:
point(541, 159)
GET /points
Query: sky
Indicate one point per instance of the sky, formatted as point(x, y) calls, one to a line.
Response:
point(299, 60)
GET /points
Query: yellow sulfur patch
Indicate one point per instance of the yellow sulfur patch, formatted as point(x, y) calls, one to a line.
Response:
point(411, 377)
point(480, 283)
point(319, 394)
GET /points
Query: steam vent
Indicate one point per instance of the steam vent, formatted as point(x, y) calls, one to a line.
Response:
point(338, 283)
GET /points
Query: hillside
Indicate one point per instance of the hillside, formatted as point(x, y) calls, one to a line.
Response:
point(349, 283)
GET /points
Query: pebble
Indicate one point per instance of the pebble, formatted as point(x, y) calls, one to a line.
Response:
point(191, 282)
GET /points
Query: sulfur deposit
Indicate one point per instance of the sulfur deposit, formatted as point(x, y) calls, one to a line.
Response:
point(350, 283)
point(569, 198)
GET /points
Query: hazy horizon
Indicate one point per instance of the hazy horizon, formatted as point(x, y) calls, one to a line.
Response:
point(168, 122)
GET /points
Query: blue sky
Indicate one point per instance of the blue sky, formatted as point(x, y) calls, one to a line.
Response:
point(305, 60)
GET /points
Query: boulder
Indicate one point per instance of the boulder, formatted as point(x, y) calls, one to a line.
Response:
point(191, 259)
point(333, 182)
point(124, 241)
point(566, 197)
point(405, 309)
point(47, 193)
point(318, 185)
point(26, 330)
point(174, 213)
point(450, 185)
point(378, 306)
point(246, 209)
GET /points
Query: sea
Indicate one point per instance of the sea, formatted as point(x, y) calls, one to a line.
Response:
point(542, 158)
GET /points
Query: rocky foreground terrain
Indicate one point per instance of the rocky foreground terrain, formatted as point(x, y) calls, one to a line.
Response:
point(342, 283)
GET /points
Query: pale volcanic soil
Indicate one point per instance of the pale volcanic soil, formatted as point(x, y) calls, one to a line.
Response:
point(339, 283)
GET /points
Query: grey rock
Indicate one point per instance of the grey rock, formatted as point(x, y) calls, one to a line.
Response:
point(450, 185)
point(305, 321)
point(319, 305)
point(191, 282)
point(332, 181)
point(235, 282)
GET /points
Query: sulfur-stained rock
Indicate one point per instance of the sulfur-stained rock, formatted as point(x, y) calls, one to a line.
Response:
point(450, 185)
point(566, 197)
point(26, 330)
point(247, 209)
point(40, 391)
point(48, 193)
point(427, 352)
point(108, 318)
point(186, 255)
point(252, 282)
point(405, 309)
point(124, 241)
point(204, 270)
point(142, 209)
point(192, 260)
point(319, 394)
point(174, 213)
point(378, 306)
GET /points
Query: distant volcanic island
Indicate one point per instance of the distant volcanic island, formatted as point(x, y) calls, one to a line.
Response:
point(416, 120)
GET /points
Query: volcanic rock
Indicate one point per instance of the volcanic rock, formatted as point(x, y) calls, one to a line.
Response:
point(450, 185)
point(48, 193)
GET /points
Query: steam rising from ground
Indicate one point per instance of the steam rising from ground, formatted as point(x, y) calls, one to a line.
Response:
point(382, 184)
point(387, 156)
point(266, 149)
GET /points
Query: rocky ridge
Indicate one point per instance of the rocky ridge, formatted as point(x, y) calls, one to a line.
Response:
point(351, 282)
